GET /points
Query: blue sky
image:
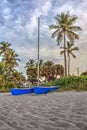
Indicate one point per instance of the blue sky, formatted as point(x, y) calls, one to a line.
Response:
point(18, 26)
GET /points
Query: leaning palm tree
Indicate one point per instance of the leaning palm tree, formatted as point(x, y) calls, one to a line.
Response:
point(69, 49)
point(65, 28)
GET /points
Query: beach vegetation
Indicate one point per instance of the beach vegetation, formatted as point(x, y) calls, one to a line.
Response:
point(77, 83)
point(9, 75)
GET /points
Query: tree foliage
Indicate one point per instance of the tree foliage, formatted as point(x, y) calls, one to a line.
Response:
point(48, 69)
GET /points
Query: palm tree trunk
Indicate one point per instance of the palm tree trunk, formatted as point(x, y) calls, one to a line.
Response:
point(65, 61)
point(68, 64)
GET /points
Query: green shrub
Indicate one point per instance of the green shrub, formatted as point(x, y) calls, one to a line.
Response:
point(72, 83)
point(10, 84)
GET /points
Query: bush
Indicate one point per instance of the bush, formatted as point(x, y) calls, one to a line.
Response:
point(10, 84)
point(72, 83)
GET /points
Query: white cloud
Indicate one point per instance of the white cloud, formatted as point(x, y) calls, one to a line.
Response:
point(31, 26)
point(46, 8)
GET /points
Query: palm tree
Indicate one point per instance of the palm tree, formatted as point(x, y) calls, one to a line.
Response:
point(1, 72)
point(18, 77)
point(4, 47)
point(59, 70)
point(30, 63)
point(31, 69)
point(69, 49)
point(64, 28)
point(11, 61)
point(48, 69)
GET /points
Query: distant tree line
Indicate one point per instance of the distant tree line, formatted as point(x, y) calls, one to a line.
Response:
point(48, 69)
point(10, 76)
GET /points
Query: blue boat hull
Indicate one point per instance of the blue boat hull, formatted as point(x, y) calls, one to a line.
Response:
point(44, 90)
point(19, 91)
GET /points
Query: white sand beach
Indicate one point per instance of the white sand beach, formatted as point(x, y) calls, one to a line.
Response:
point(54, 111)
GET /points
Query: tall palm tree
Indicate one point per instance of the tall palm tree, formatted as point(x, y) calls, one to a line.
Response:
point(69, 49)
point(65, 28)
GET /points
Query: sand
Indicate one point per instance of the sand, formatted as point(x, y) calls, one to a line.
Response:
point(54, 111)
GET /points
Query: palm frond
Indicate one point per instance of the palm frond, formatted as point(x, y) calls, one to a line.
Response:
point(75, 28)
point(72, 20)
point(54, 27)
point(59, 37)
point(55, 33)
point(69, 44)
point(72, 35)
point(62, 52)
point(73, 55)
point(75, 49)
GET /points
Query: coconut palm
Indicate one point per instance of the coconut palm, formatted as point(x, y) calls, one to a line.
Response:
point(4, 47)
point(31, 69)
point(18, 77)
point(65, 28)
point(11, 61)
point(1, 72)
point(69, 49)
point(30, 63)
point(59, 70)
point(48, 69)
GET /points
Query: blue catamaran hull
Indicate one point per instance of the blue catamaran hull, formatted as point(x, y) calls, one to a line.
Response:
point(36, 90)
point(44, 90)
point(19, 91)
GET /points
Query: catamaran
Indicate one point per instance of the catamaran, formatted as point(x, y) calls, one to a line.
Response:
point(36, 89)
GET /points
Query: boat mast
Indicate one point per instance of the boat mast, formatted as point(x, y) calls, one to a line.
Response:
point(38, 70)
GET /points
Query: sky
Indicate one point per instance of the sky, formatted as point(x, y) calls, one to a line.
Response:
point(18, 26)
